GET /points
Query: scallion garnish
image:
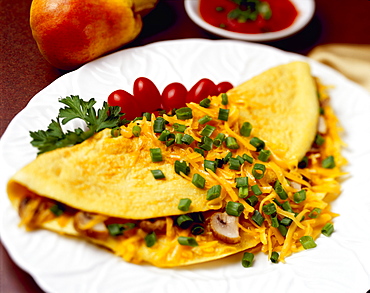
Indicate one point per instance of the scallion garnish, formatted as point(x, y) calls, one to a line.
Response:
point(198, 181)
point(314, 213)
point(328, 163)
point(187, 241)
point(258, 170)
point(247, 158)
point(170, 142)
point(116, 229)
point(307, 242)
point(212, 165)
point(179, 127)
point(257, 143)
point(241, 160)
point(219, 139)
point(252, 200)
point(115, 132)
point(264, 155)
point(234, 164)
point(224, 99)
point(184, 204)
point(319, 140)
point(234, 208)
point(274, 222)
point(207, 130)
point(205, 103)
point(246, 129)
point(148, 116)
point(299, 196)
point(280, 190)
point(156, 155)
point(159, 125)
point(286, 221)
point(157, 174)
point(257, 218)
point(286, 207)
point(150, 239)
point(247, 260)
point(256, 190)
point(241, 182)
point(187, 139)
point(231, 143)
point(328, 229)
point(205, 119)
point(283, 230)
point(206, 143)
point(184, 221)
point(274, 257)
point(136, 130)
point(197, 230)
point(223, 114)
point(269, 209)
point(243, 192)
point(213, 192)
point(164, 134)
point(184, 113)
point(57, 210)
point(227, 157)
point(197, 217)
point(182, 167)
point(199, 151)
point(178, 138)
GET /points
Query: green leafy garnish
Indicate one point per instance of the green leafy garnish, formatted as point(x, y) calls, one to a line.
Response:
point(249, 10)
point(54, 137)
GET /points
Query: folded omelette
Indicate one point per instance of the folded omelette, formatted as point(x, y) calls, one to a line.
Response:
point(221, 177)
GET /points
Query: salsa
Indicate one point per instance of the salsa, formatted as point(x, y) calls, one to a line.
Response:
point(249, 16)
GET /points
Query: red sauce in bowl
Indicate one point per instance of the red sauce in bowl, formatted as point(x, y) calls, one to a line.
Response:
point(217, 13)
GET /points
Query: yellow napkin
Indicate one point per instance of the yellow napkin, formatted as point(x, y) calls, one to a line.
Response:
point(353, 61)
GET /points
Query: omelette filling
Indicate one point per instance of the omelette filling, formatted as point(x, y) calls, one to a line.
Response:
point(253, 196)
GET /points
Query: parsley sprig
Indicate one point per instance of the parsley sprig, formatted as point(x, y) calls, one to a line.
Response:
point(54, 137)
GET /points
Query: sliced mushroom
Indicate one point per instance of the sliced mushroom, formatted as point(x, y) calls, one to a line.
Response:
point(81, 221)
point(157, 225)
point(321, 127)
point(225, 227)
point(296, 185)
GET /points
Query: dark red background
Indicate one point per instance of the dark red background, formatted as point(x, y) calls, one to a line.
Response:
point(24, 72)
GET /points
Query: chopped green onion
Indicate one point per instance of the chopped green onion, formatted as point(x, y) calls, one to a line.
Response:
point(197, 217)
point(187, 139)
point(307, 242)
point(148, 116)
point(115, 132)
point(303, 163)
point(246, 129)
point(257, 143)
point(247, 158)
point(274, 222)
point(205, 119)
point(212, 165)
point(187, 241)
point(264, 155)
point(314, 213)
point(227, 157)
point(206, 143)
point(299, 196)
point(328, 163)
point(256, 190)
point(328, 229)
point(252, 200)
point(243, 192)
point(57, 210)
point(234, 208)
point(156, 155)
point(219, 139)
point(219, 8)
point(258, 170)
point(157, 174)
point(286, 207)
point(198, 181)
point(150, 239)
point(205, 103)
point(257, 218)
point(234, 164)
point(164, 134)
point(274, 257)
point(199, 151)
point(184, 113)
point(224, 99)
point(286, 221)
point(184, 204)
point(319, 140)
point(178, 138)
point(269, 209)
point(283, 230)
point(280, 190)
point(241, 181)
point(197, 230)
point(207, 130)
point(247, 260)
point(182, 167)
point(170, 142)
point(213, 192)
point(241, 160)
point(119, 229)
point(184, 221)
point(159, 125)
point(231, 143)
point(223, 114)
point(136, 130)
point(179, 127)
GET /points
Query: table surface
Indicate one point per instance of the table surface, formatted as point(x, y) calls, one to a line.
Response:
point(24, 72)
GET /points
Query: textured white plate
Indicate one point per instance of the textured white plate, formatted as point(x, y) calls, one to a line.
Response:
point(340, 263)
point(306, 9)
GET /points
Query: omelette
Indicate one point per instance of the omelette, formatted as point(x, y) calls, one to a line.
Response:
point(242, 171)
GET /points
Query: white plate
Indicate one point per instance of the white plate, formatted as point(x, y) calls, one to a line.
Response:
point(305, 8)
point(340, 263)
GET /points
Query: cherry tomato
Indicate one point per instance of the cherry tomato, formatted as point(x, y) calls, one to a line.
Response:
point(174, 96)
point(146, 94)
point(127, 103)
point(201, 90)
point(223, 87)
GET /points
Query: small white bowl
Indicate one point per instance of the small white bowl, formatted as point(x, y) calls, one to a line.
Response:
point(305, 8)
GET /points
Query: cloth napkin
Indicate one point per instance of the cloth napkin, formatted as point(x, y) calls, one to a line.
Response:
point(353, 61)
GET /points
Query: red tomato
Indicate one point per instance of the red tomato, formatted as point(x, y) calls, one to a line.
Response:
point(147, 95)
point(174, 96)
point(223, 87)
point(127, 103)
point(201, 90)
